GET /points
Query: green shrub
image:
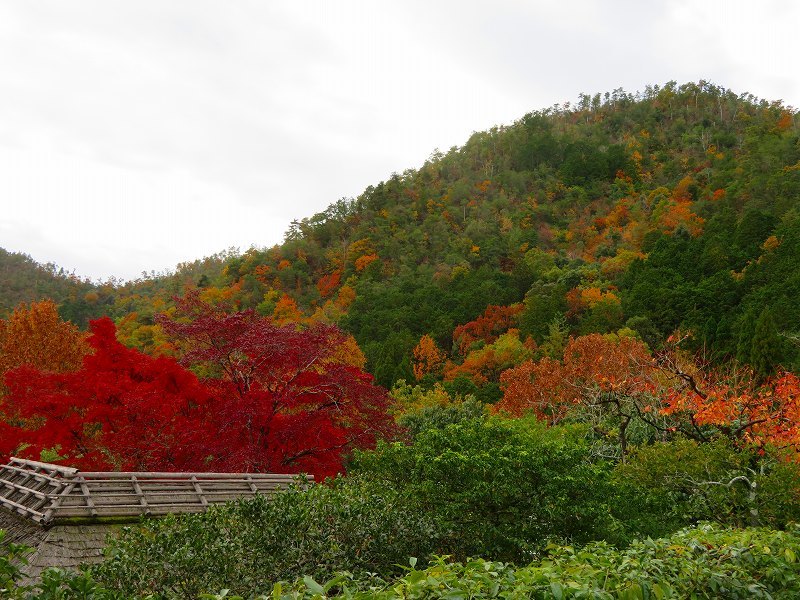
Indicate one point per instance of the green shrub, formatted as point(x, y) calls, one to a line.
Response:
point(350, 524)
point(707, 562)
point(502, 488)
point(715, 481)
point(12, 557)
point(55, 584)
point(492, 488)
point(439, 416)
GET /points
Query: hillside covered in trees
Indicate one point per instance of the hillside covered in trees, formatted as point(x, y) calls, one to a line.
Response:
point(571, 333)
point(675, 208)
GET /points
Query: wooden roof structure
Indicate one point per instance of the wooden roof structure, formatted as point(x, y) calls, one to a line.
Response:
point(46, 493)
point(67, 514)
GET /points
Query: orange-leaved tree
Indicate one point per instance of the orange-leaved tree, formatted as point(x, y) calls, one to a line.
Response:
point(428, 357)
point(494, 321)
point(486, 364)
point(735, 403)
point(34, 335)
point(602, 375)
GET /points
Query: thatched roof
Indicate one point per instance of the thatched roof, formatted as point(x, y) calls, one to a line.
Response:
point(66, 514)
point(47, 494)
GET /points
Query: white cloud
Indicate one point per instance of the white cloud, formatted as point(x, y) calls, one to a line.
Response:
point(137, 134)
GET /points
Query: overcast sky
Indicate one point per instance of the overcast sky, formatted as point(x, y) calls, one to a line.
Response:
point(135, 135)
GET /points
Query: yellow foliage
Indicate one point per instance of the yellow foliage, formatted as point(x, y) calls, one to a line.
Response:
point(286, 311)
point(348, 353)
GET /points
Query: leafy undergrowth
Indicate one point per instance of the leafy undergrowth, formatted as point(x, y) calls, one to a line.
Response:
point(702, 562)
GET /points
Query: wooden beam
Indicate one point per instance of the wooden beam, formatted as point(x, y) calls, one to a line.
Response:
point(42, 465)
point(52, 480)
point(199, 491)
point(26, 491)
point(87, 495)
point(138, 489)
point(37, 516)
point(50, 512)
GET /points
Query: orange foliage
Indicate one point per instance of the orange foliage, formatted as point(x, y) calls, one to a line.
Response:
point(286, 311)
point(360, 248)
point(592, 365)
point(428, 358)
point(770, 244)
point(785, 122)
point(36, 336)
point(766, 414)
point(487, 363)
point(535, 386)
point(579, 299)
point(677, 213)
point(214, 295)
point(345, 297)
point(328, 283)
point(347, 353)
point(262, 272)
point(364, 261)
point(494, 321)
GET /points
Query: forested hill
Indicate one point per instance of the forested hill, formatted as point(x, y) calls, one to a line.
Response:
point(22, 279)
point(676, 208)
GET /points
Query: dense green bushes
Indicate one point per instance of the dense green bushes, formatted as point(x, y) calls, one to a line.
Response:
point(704, 562)
point(716, 482)
point(9, 564)
point(503, 489)
point(352, 524)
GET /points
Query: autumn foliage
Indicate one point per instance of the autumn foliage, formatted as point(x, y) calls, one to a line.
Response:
point(121, 410)
point(268, 397)
point(739, 406)
point(485, 364)
point(286, 399)
point(494, 321)
point(671, 392)
point(428, 357)
point(34, 335)
point(591, 365)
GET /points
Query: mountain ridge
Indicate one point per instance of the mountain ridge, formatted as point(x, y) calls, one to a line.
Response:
point(672, 208)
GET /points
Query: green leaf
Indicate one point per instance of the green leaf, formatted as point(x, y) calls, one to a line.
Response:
point(313, 586)
point(660, 591)
point(557, 590)
point(277, 590)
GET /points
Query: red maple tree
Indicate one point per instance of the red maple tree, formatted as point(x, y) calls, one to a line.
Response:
point(286, 399)
point(121, 410)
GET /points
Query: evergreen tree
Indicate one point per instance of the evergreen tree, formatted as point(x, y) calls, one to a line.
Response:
point(765, 347)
